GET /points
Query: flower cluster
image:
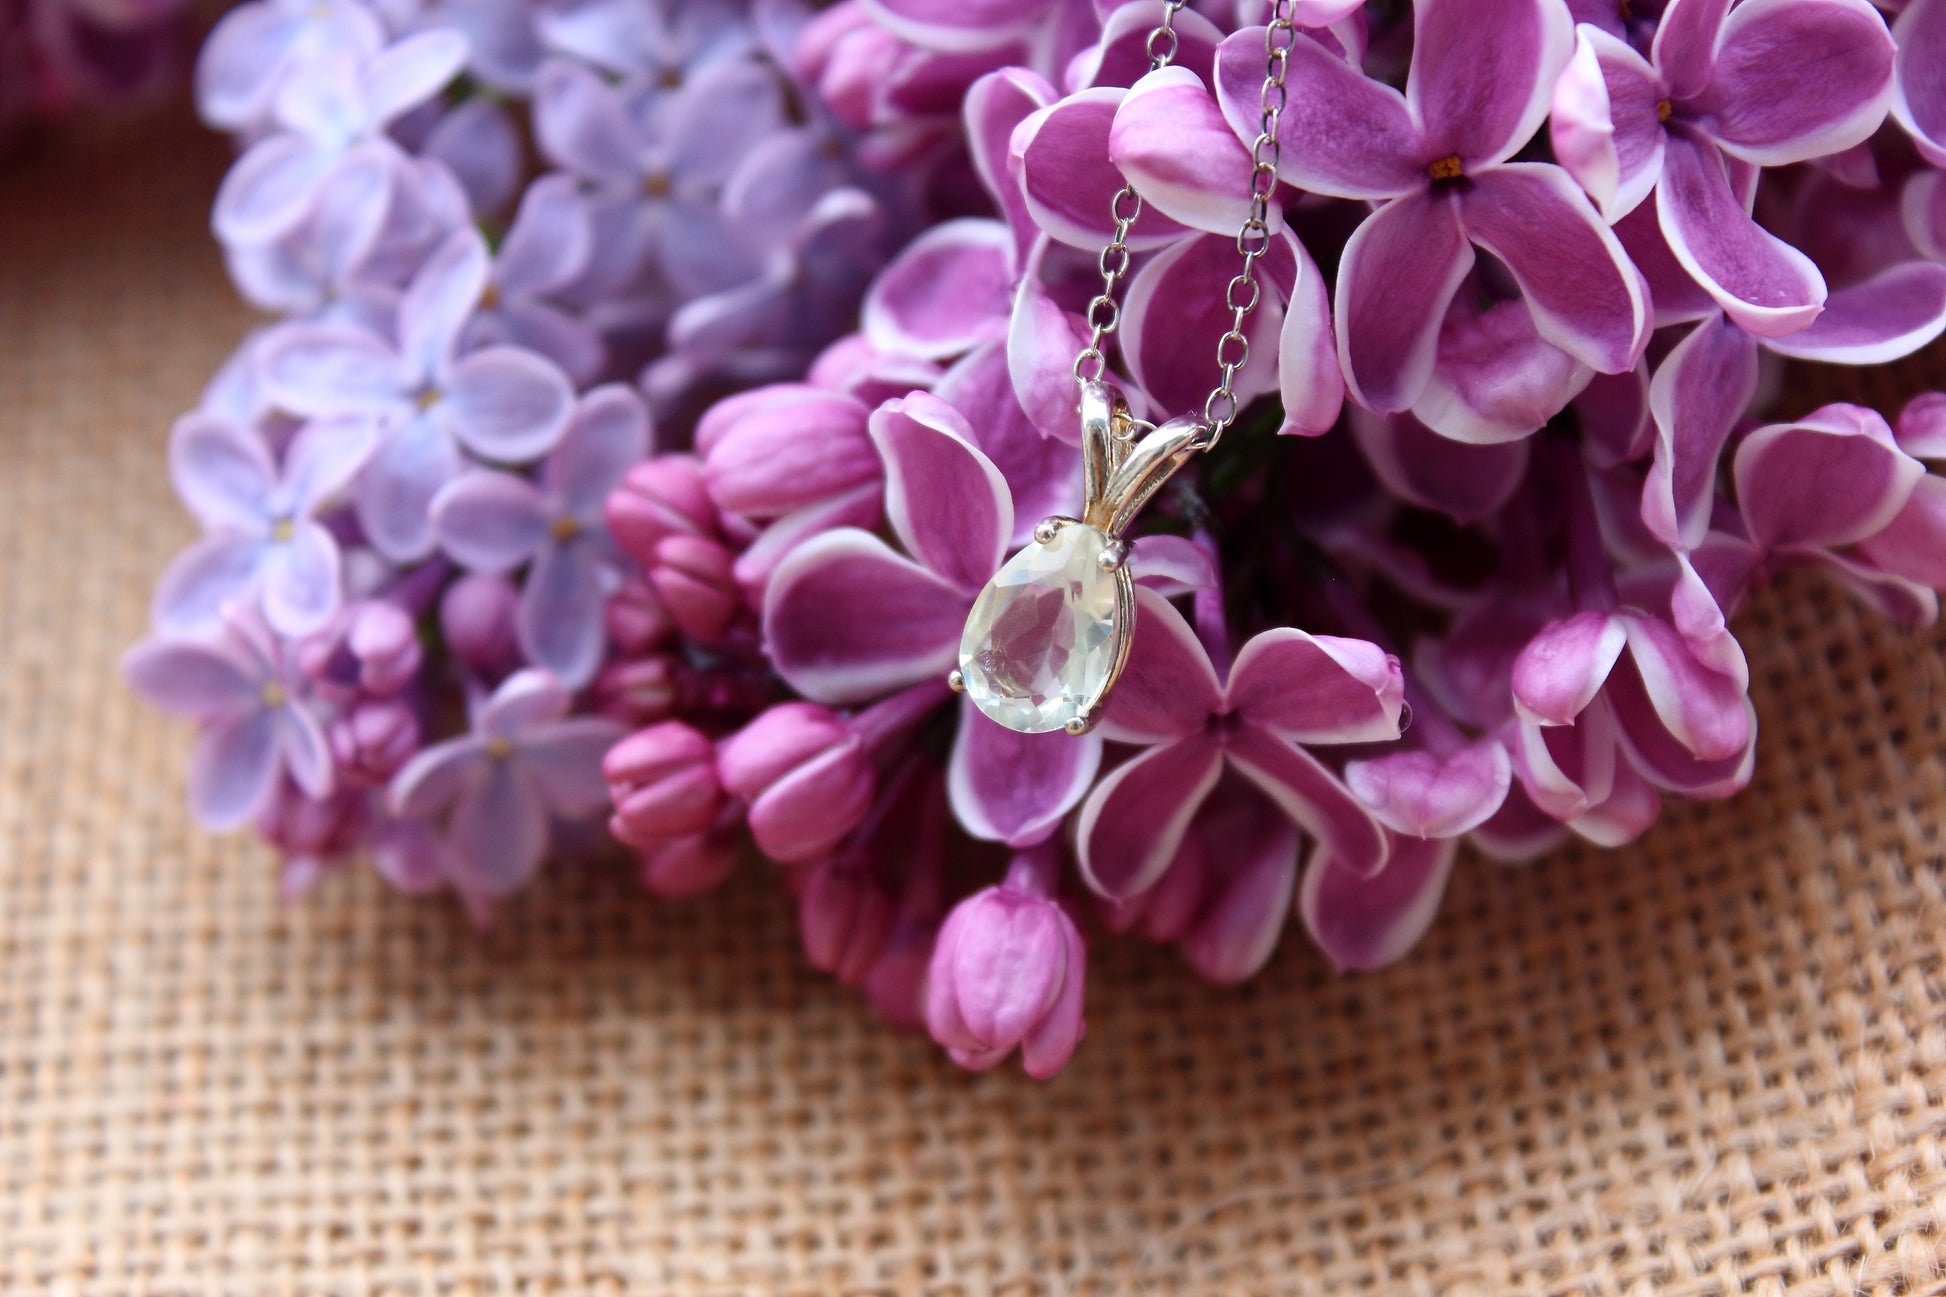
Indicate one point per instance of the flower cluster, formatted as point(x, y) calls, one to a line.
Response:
point(1506, 463)
point(504, 240)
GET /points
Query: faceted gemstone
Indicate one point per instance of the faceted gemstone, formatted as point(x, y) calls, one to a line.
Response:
point(1041, 641)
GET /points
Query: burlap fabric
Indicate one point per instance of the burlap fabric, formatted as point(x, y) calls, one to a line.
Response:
point(1712, 1063)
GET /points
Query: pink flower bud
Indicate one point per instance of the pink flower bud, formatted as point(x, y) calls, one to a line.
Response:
point(373, 740)
point(845, 918)
point(806, 777)
point(1008, 973)
point(314, 828)
point(662, 781)
point(370, 647)
point(858, 369)
point(690, 865)
point(661, 497)
point(637, 693)
point(636, 620)
point(800, 446)
point(695, 577)
point(476, 616)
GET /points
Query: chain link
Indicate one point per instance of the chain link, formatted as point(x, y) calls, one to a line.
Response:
point(1253, 237)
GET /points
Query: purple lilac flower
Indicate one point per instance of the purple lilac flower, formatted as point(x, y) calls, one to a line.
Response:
point(248, 699)
point(525, 763)
point(492, 521)
point(265, 541)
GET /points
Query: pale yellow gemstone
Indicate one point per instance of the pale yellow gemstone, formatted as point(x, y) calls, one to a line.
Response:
point(1040, 643)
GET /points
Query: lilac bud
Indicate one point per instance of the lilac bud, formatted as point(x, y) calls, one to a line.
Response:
point(852, 365)
point(806, 777)
point(661, 497)
point(637, 622)
point(663, 783)
point(800, 447)
point(638, 693)
point(845, 918)
point(373, 740)
point(1008, 973)
point(689, 865)
point(313, 828)
point(371, 647)
point(896, 984)
point(695, 577)
point(477, 618)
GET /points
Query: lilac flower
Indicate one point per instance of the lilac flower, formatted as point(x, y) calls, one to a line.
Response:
point(1725, 91)
point(549, 243)
point(254, 47)
point(248, 699)
point(846, 618)
point(1918, 100)
point(526, 762)
point(1008, 973)
point(491, 521)
point(265, 542)
point(1437, 157)
point(427, 399)
point(329, 105)
point(1285, 690)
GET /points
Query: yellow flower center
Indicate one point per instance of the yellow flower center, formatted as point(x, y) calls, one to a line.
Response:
point(428, 399)
point(283, 530)
point(658, 184)
point(274, 695)
point(1446, 169)
point(566, 528)
point(499, 749)
point(1663, 110)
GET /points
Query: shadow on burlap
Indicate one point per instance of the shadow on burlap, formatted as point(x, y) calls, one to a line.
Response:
point(1712, 1063)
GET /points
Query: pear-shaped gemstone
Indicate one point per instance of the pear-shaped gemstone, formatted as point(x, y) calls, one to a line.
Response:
point(1043, 640)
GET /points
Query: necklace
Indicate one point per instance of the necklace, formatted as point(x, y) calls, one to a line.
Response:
point(1049, 635)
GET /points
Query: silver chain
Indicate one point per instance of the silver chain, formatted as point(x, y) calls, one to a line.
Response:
point(1253, 237)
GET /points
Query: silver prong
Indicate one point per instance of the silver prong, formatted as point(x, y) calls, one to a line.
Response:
point(1047, 528)
point(1079, 725)
point(1112, 556)
point(956, 680)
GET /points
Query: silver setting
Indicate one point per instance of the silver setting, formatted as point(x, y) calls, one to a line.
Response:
point(956, 680)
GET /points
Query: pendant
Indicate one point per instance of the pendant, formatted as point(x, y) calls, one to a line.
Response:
point(1049, 634)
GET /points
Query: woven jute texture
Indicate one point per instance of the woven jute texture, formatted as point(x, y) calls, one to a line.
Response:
point(1712, 1063)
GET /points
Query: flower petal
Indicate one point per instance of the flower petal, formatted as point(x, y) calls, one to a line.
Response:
point(191, 678)
point(434, 778)
point(1043, 473)
point(324, 457)
point(582, 124)
point(1168, 687)
point(559, 617)
point(1317, 688)
point(1009, 787)
point(1175, 312)
point(1309, 382)
point(1604, 126)
point(1700, 391)
point(608, 435)
point(956, 24)
point(1494, 378)
point(846, 619)
point(1761, 282)
point(994, 106)
point(1060, 157)
point(1171, 142)
point(1342, 133)
point(1585, 294)
point(439, 301)
point(1919, 98)
point(1796, 79)
point(301, 585)
point(1465, 482)
point(215, 571)
point(948, 291)
point(1311, 795)
point(1660, 757)
point(563, 761)
point(1703, 710)
point(947, 502)
point(410, 71)
point(1132, 824)
point(1423, 794)
point(330, 368)
point(1561, 670)
point(1399, 270)
point(269, 191)
point(1684, 51)
point(222, 472)
point(1832, 478)
point(233, 769)
point(507, 404)
point(498, 833)
point(1885, 318)
point(1370, 921)
point(549, 242)
point(395, 492)
point(1248, 899)
point(526, 702)
point(1042, 341)
point(1483, 72)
